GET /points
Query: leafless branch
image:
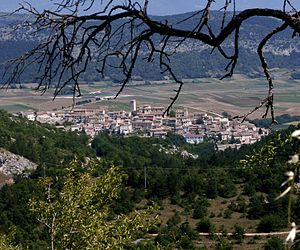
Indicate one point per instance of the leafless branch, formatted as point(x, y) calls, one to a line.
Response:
point(269, 100)
point(73, 40)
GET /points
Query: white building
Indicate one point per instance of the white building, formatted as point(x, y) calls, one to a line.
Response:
point(194, 138)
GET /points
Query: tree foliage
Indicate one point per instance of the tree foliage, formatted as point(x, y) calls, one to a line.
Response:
point(185, 182)
point(79, 215)
point(274, 243)
point(6, 245)
point(41, 143)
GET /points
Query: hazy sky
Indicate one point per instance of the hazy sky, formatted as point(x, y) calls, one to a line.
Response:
point(163, 7)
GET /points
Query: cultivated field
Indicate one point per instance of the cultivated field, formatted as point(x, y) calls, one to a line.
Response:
point(237, 96)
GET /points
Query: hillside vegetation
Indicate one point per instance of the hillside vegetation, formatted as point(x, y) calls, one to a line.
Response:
point(213, 193)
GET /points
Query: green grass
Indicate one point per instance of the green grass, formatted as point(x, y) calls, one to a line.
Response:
point(290, 98)
point(294, 123)
point(237, 95)
point(16, 107)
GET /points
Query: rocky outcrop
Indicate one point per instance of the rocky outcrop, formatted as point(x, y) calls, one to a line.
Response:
point(172, 150)
point(12, 164)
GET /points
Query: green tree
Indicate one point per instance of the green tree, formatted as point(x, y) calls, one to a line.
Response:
point(228, 190)
point(256, 207)
point(205, 226)
point(78, 216)
point(200, 210)
point(172, 113)
point(212, 189)
point(238, 234)
point(200, 121)
point(5, 243)
point(223, 244)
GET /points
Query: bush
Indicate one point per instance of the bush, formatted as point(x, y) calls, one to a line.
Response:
point(205, 226)
point(270, 223)
point(200, 212)
point(223, 244)
point(274, 243)
point(228, 190)
point(257, 207)
point(249, 189)
point(238, 234)
point(186, 243)
point(239, 205)
point(168, 235)
point(187, 230)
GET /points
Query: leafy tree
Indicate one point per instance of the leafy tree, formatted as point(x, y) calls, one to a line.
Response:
point(256, 207)
point(212, 189)
point(168, 237)
point(188, 231)
point(78, 216)
point(239, 205)
point(186, 243)
point(238, 234)
point(143, 245)
point(249, 189)
point(5, 243)
point(227, 213)
point(193, 184)
point(228, 190)
point(174, 236)
point(172, 113)
point(199, 121)
point(223, 244)
point(175, 139)
point(200, 210)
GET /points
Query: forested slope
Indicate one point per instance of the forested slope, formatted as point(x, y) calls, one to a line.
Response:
point(191, 186)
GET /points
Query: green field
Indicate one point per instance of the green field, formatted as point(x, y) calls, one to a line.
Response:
point(16, 107)
point(237, 96)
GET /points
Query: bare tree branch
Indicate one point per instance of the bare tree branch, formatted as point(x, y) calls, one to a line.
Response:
point(73, 39)
point(269, 100)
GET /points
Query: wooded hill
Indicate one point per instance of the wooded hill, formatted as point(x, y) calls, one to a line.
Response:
point(214, 187)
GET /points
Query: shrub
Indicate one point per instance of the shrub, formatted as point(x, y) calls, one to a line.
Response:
point(238, 234)
point(274, 243)
point(272, 222)
point(205, 226)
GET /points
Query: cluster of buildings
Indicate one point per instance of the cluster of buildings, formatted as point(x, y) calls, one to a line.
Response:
point(147, 120)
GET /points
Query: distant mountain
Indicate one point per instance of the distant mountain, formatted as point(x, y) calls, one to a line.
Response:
point(193, 59)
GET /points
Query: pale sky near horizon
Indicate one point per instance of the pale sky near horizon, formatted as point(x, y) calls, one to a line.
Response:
point(163, 7)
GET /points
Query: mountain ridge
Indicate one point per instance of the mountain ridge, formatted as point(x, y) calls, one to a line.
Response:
point(193, 58)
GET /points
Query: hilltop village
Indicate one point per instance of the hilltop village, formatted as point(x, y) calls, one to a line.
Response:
point(150, 121)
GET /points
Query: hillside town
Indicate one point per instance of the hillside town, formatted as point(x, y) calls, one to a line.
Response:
point(147, 120)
